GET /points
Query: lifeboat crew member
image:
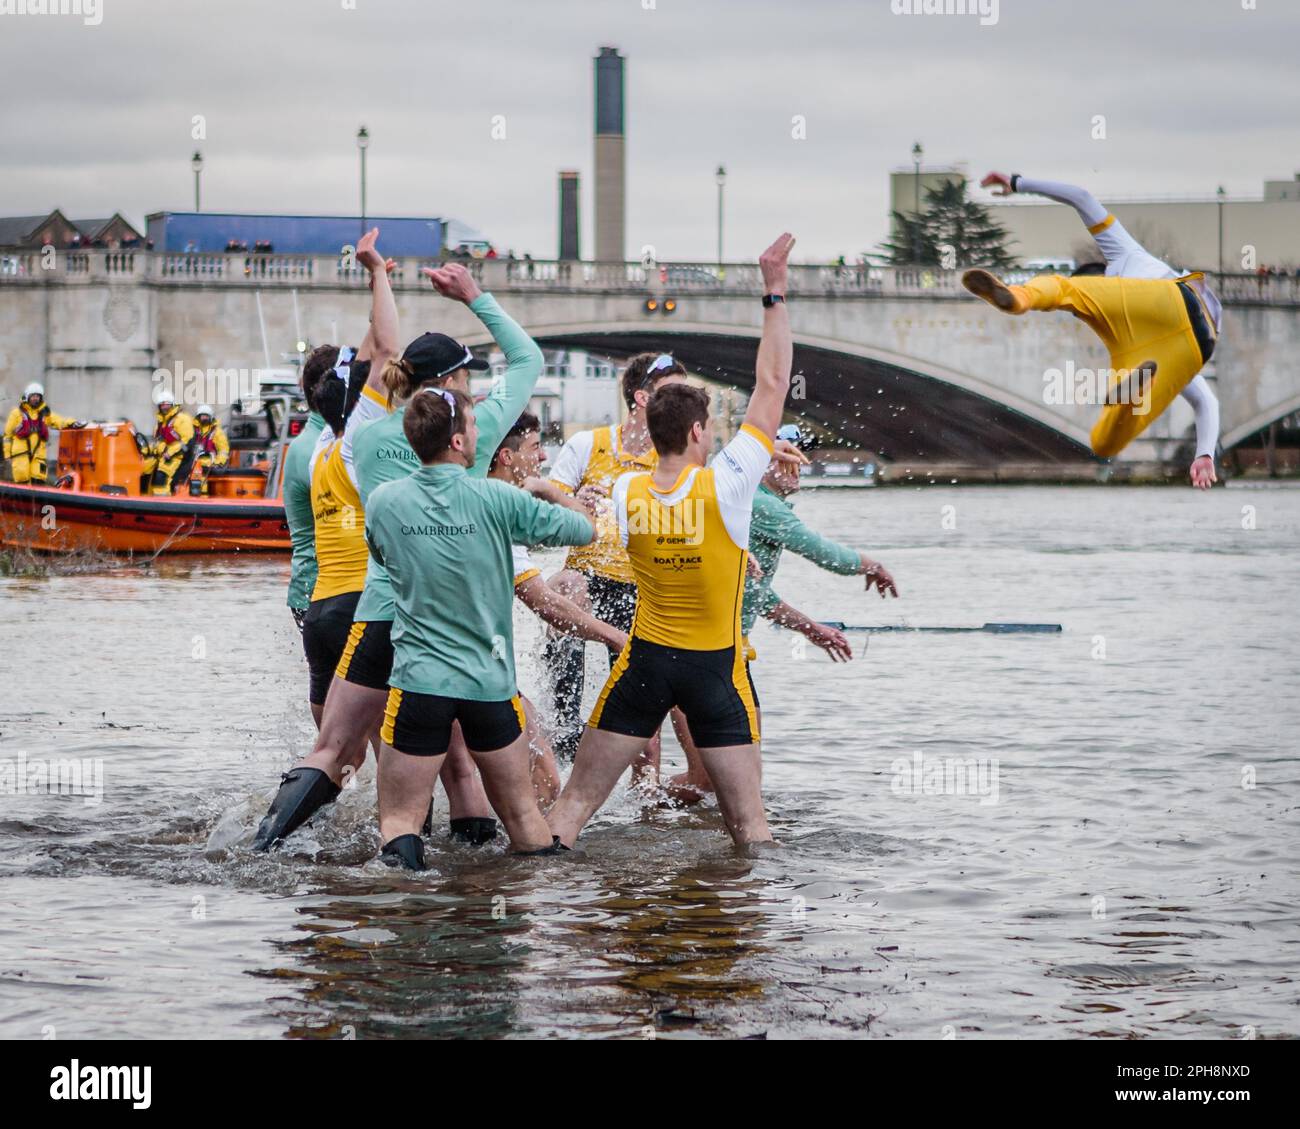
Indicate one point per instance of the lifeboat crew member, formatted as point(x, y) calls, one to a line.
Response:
point(173, 433)
point(212, 448)
point(27, 432)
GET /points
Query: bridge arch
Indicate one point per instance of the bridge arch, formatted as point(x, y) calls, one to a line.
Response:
point(897, 406)
point(1261, 420)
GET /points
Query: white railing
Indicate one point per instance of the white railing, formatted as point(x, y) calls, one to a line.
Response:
point(535, 275)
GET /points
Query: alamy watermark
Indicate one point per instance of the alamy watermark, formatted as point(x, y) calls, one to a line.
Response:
point(946, 776)
point(682, 524)
point(1072, 385)
point(63, 776)
point(987, 10)
point(194, 386)
point(90, 11)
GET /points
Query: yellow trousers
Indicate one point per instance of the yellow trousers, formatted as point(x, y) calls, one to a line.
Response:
point(160, 472)
point(26, 469)
point(1138, 320)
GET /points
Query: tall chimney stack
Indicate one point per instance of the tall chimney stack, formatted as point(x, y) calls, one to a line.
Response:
point(569, 229)
point(610, 157)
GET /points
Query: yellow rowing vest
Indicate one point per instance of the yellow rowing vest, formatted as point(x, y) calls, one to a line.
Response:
point(605, 556)
point(688, 548)
point(341, 553)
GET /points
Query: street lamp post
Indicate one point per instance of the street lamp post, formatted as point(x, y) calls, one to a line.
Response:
point(196, 163)
point(721, 177)
point(916, 213)
point(1222, 195)
point(363, 140)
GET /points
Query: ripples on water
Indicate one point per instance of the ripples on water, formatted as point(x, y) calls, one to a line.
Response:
point(1124, 884)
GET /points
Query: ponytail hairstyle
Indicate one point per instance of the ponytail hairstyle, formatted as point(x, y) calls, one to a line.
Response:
point(399, 378)
point(433, 418)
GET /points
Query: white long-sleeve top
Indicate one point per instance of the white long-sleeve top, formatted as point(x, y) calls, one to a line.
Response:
point(1127, 258)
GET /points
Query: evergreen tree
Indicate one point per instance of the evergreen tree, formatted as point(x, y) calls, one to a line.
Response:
point(952, 232)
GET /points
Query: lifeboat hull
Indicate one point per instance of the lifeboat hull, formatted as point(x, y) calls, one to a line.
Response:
point(49, 520)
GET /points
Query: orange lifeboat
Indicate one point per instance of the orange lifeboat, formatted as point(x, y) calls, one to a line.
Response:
point(95, 502)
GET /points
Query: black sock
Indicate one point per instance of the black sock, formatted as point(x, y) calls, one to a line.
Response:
point(475, 829)
point(555, 848)
point(405, 850)
point(303, 791)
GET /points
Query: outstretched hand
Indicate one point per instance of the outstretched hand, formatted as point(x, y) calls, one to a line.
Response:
point(1000, 179)
point(1203, 476)
point(455, 282)
point(878, 576)
point(831, 640)
point(774, 263)
point(367, 255)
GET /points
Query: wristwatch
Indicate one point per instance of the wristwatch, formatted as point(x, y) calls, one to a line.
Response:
point(770, 300)
point(1015, 180)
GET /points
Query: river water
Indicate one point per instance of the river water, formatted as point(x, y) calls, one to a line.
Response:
point(1121, 862)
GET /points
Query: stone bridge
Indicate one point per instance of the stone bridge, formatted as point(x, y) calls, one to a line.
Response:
point(900, 361)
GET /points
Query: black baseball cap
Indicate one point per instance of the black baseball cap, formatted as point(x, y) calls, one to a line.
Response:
point(434, 355)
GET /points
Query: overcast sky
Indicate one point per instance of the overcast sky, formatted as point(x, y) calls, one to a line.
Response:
point(97, 119)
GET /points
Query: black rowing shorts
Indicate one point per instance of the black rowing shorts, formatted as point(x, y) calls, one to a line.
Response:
point(325, 630)
point(420, 724)
point(612, 601)
point(712, 688)
point(368, 656)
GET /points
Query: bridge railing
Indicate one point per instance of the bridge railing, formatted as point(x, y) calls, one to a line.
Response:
point(527, 275)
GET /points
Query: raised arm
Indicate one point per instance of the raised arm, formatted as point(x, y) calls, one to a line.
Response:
point(1090, 209)
point(380, 344)
point(776, 349)
point(524, 361)
point(1124, 255)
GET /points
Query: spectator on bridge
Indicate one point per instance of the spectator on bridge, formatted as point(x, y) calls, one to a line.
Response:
point(27, 431)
